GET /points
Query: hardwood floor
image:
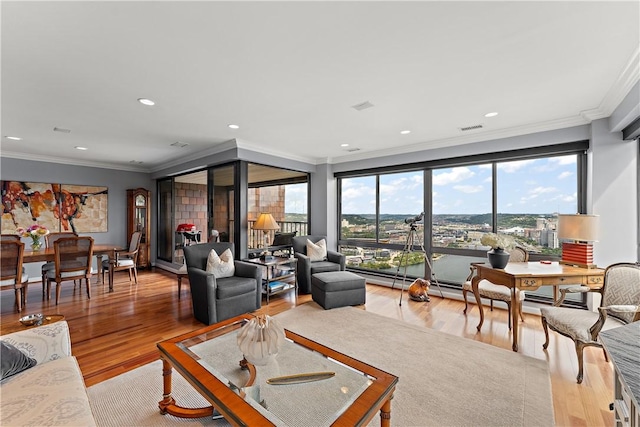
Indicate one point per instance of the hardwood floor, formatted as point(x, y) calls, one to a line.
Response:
point(116, 332)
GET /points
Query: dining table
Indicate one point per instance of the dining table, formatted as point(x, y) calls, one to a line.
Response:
point(99, 250)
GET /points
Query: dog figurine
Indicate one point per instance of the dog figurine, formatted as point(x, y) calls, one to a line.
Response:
point(418, 290)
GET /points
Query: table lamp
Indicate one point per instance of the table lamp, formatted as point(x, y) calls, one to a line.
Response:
point(582, 231)
point(265, 222)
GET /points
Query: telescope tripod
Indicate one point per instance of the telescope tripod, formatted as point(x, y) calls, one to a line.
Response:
point(412, 237)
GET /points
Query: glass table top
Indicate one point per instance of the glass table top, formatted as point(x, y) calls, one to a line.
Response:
point(304, 404)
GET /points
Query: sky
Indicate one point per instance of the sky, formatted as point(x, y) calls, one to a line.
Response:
point(536, 186)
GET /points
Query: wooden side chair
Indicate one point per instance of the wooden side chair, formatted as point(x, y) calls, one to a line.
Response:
point(9, 238)
point(620, 305)
point(124, 260)
point(49, 240)
point(493, 292)
point(73, 258)
point(11, 275)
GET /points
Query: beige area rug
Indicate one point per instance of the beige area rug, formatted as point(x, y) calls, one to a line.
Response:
point(444, 380)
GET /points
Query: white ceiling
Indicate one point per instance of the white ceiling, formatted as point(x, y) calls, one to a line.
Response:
point(288, 73)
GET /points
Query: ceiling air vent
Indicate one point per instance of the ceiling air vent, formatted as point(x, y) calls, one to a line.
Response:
point(179, 144)
point(62, 130)
point(362, 106)
point(466, 128)
point(351, 150)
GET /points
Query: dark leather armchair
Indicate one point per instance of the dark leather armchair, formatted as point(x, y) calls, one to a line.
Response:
point(214, 300)
point(335, 262)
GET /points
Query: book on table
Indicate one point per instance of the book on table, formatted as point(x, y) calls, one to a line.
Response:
point(276, 285)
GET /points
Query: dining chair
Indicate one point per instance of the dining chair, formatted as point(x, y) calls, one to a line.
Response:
point(9, 238)
point(11, 275)
point(491, 291)
point(619, 305)
point(124, 260)
point(49, 240)
point(73, 257)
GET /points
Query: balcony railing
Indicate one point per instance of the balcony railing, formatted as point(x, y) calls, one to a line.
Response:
point(255, 237)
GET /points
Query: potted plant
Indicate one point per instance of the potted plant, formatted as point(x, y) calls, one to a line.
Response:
point(498, 256)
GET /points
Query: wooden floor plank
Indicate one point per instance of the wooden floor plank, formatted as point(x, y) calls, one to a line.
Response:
point(115, 332)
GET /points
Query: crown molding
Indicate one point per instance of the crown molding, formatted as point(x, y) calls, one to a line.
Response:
point(629, 76)
point(72, 162)
point(466, 139)
point(247, 145)
point(216, 149)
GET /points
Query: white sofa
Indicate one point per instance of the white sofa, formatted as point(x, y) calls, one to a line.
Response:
point(52, 393)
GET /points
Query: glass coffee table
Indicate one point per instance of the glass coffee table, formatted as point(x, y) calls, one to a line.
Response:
point(209, 359)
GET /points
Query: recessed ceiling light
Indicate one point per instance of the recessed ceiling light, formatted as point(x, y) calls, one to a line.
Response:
point(14, 138)
point(81, 148)
point(145, 101)
point(233, 126)
point(405, 132)
point(344, 145)
point(493, 114)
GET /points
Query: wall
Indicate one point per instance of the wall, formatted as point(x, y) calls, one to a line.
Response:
point(117, 181)
point(614, 195)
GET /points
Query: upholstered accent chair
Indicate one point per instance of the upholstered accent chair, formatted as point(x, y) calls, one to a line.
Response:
point(620, 305)
point(124, 260)
point(217, 299)
point(492, 291)
point(73, 256)
point(306, 267)
point(12, 276)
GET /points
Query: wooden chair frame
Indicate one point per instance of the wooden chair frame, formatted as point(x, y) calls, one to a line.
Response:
point(18, 286)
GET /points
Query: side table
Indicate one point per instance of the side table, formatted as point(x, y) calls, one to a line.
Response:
point(180, 275)
point(280, 272)
point(10, 327)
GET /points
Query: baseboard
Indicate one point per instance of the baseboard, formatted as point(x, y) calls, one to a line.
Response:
point(455, 294)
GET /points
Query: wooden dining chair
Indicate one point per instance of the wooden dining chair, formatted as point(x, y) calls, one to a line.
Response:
point(73, 256)
point(9, 238)
point(11, 275)
point(124, 260)
point(49, 240)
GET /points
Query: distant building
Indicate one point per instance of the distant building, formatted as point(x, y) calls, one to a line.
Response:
point(549, 238)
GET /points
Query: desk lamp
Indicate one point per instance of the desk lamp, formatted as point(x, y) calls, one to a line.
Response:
point(582, 231)
point(265, 222)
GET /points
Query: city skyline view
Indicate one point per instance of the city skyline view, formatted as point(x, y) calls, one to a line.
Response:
point(535, 186)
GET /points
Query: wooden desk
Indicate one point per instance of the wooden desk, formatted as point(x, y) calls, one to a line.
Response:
point(99, 250)
point(529, 276)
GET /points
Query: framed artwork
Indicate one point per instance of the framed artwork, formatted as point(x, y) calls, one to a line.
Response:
point(59, 207)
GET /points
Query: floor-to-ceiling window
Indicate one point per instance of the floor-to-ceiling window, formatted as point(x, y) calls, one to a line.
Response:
point(203, 205)
point(518, 193)
point(282, 193)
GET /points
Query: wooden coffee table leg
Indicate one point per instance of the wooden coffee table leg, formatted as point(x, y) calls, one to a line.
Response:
point(168, 404)
point(385, 414)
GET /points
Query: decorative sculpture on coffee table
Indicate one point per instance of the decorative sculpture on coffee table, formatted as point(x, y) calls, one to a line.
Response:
point(259, 339)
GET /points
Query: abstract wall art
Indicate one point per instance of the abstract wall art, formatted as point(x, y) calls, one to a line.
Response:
point(59, 207)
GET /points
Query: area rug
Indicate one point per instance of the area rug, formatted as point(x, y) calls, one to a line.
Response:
point(444, 380)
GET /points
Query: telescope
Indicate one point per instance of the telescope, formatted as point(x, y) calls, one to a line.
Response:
point(414, 219)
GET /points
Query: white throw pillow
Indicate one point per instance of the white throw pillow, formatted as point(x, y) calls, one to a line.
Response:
point(221, 266)
point(317, 251)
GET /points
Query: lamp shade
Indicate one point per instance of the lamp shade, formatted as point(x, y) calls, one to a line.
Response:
point(265, 222)
point(579, 228)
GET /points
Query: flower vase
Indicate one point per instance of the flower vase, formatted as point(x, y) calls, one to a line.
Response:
point(498, 258)
point(36, 245)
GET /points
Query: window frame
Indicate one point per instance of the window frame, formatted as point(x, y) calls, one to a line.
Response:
point(578, 148)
